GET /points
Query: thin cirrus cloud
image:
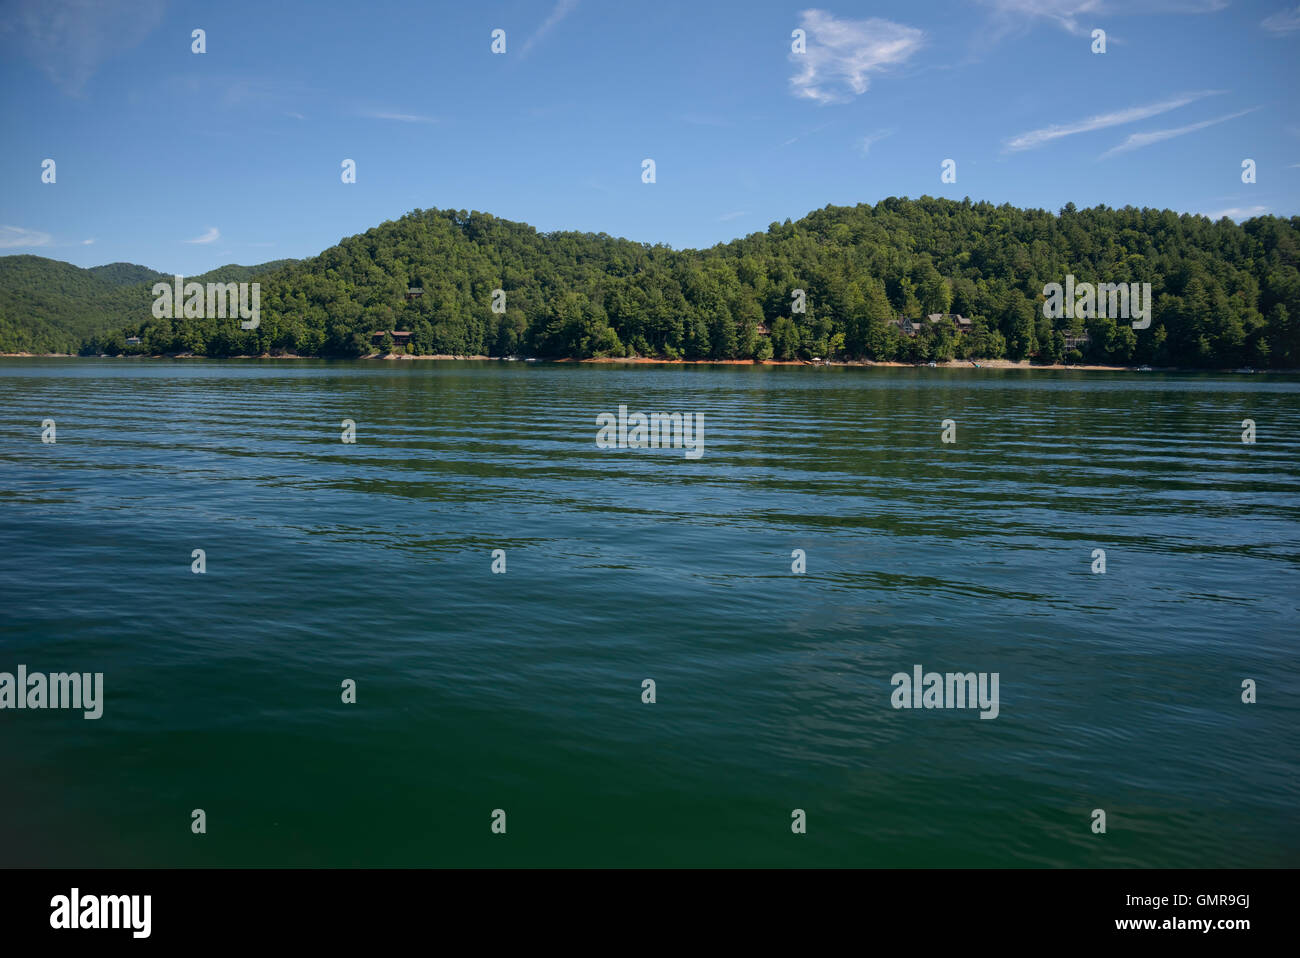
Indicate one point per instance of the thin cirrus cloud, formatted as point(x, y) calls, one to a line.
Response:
point(1041, 137)
point(704, 119)
point(558, 13)
point(211, 236)
point(1284, 21)
point(17, 237)
point(799, 136)
point(1014, 15)
point(840, 55)
point(402, 117)
point(1137, 141)
point(866, 143)
point(69, 40)
point(1238, 213)
point(1080, 17)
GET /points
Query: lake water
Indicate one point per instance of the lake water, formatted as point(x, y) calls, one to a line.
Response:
point(522, 691)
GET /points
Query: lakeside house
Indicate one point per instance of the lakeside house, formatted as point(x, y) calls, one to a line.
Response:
point(133, 340)
point(762, 330)
point(400, 338)
point(414, 291)
point(910, 327)
point(1077, 341)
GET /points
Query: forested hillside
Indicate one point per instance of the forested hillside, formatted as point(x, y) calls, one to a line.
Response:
point(47, 306)
point(1225, 294)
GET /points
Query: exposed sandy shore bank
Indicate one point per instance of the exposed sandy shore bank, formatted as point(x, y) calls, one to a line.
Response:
point(646, 361)
point(952, 364)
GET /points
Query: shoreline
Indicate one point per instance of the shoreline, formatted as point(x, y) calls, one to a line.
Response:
point(650, 361)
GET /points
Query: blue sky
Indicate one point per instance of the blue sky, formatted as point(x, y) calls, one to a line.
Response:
point(184, 161)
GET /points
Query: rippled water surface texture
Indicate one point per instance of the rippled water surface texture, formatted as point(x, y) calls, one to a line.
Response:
point(522, 691)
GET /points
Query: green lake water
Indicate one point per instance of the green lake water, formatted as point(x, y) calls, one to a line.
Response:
point(522, 691)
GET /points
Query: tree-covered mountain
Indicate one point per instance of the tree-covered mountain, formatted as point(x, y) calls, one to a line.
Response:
point(1224, 294)
point(123, 274)
point(47, 306)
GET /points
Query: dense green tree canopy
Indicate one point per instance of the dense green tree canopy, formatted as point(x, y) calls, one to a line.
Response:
point(1225, 294)
point(51, 307)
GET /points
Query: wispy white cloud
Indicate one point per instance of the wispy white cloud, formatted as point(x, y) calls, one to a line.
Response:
point(561, 10)
point(88, 242)
point(1238, 213)
point(69, 40)
point(230, 90)
point(840, 55)
point(1080, 17)
point(1036, 138)
point(16, 237)
point(1012, 15)
point(211, 236)
point(1137, 141)
point(799, 136)
point(871, 139)
point(701, 119)
point(1284, 21)
point(296, 116)
point(1174, 6)
point(402, 117)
